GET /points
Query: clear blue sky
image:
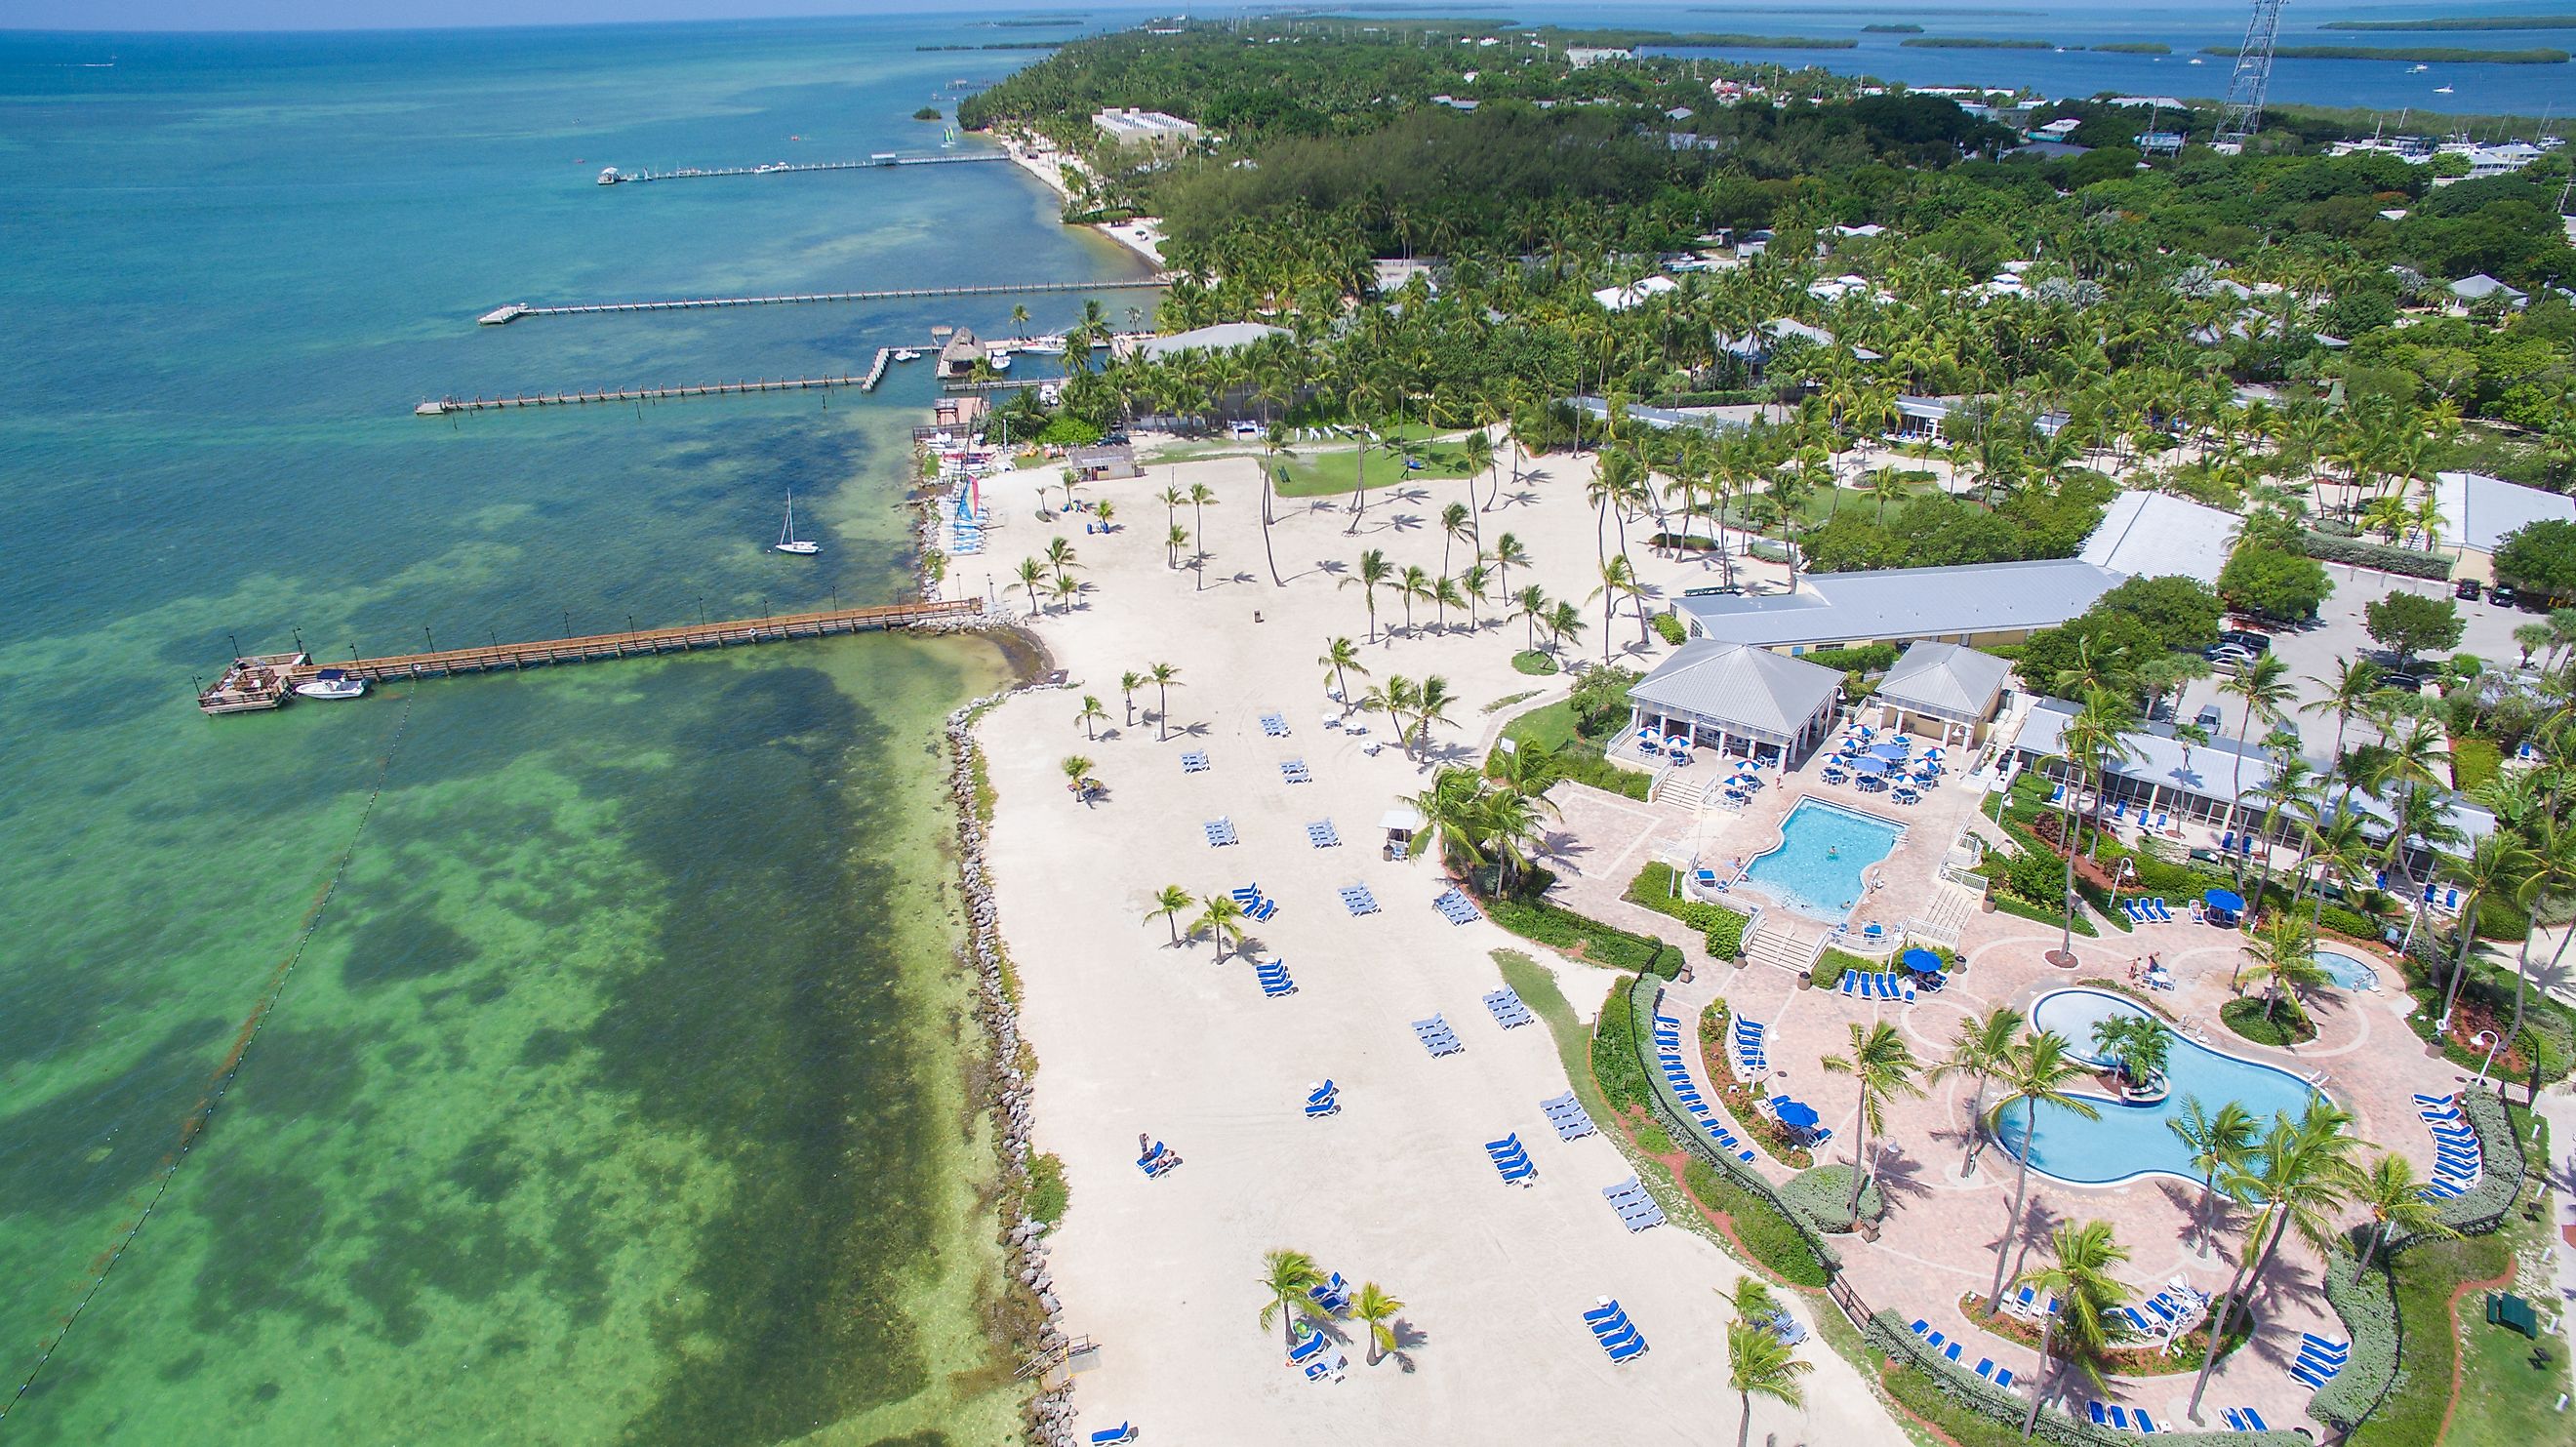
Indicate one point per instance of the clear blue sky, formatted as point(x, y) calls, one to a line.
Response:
point(395, 14)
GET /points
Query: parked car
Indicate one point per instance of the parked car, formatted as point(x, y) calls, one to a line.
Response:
point(2247, 639)
point(2209, 718)
point(2467, 589)
point(2501, 596)
point(2402, 681)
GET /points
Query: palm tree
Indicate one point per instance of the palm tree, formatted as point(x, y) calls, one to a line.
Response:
point(1163, 676)
point(1200, 495)
point(1090, 717)
point(2079, 1278)
point(1377, 1311)
point(2302, 1175)
point(2496, 868)
point(1171, 498)
point(2265, 686)
point(1030, 571)
point(1341, 657)
point(1373, 573)
point(1064, 591)
point(1476, 584)
point(1885, 1069)
point(1618, 580)
point(1287, 1277)
point(2093, 740)
point(1173, 541)
point(1508, 554)
point(1412, 583)
point(2038, 1072)
point(1060, 558)
point(1479, 448)
point(1128, 683)
point(1982, 1046)
point(2394, 1196)
point(1221, 916)
point(1077, 771)
point(2345, 694)
point(1758, 1363)
point(2217, 1142)
point(1456, 522)
point(1168, 906)
point(2285, 962)
point(1430, 706)
point(1565, 622)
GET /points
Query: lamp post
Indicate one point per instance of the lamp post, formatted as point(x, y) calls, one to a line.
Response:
point(2494, 1043)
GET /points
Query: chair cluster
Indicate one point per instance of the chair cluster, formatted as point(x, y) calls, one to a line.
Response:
point(2147, 911)
point(1160, 1159)
point(1257, 907)
point(1273, 976)
point(1275, 725)
point(1668, 1054)
point(1508, 1011)
point(1616, 1333)
point(2457, 1160)
point(2169, 1313)
point(2319, 1360)
point(1889, 986)
point(1751, 1063)
point(1314, 1356)
point(1566, 1113)
point(1436, 1036)
point(1513, 1161)
point(1294, 771)
point(1194, 761)
point(2234, 843)
point(2243, 1419)
point(2112, 1414)
point(1220, 833)
point(2120, 815)
point(1637, 1210)
point(1323, 1100)
point(1357, 899)
point(1322, 834)
point(1949, 1351)
point(1456, 908)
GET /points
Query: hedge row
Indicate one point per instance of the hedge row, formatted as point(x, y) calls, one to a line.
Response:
point(1622, 1075)
point(1867, 658)
point(1824, 1193)
point(2367, 1304)
point(1961, 1388)
point(2407, 561)
point(1723, 927)
point(2482, 1209)
point(1601, 944)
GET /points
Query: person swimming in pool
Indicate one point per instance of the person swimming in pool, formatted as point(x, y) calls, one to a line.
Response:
point(1833, 851)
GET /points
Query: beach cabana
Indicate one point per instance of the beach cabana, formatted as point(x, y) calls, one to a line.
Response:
point(1942, 690)
point(1401, 823)
point(1738, 700)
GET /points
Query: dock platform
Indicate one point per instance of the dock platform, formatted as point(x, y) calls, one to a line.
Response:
point(502, 316)
point(445, 406)
point(267, 681)
point(783, 168)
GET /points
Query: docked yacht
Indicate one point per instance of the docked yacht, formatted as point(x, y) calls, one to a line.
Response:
point(331, 683)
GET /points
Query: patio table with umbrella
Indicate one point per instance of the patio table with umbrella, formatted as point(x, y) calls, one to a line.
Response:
point(1891, 752)
point(1797, 1115)
point(2224, 905)
point(1926, 964)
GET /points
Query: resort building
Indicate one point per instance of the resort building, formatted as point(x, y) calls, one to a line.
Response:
point(2470, 291)
point(1621, 298)
point(1738, 700)
point(2159, 535)
point(1662, 419)
point(1580, 56)
point(1223, 337)
point(2479, 512)
point(1149, 129)
point(958, 357)
point(1108, 462)
point(1922, 419)
point(1978, 604)
point(1943, 691)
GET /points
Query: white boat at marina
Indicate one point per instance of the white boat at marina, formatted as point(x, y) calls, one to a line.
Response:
point(2441, 90)
point(1044, 346)
point(609, 177)
point(331, 683)
point(1001, 361)
point(788, 542)
point(907, 354)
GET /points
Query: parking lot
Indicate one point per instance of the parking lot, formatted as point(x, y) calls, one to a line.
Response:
point(2312, 652)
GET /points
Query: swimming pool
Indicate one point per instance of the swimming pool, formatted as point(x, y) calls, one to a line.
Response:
point(2349, 971)
point(1816, 868)
point(2131, 1140)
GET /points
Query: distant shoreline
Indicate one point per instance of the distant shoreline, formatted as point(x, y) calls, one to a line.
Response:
point(2418, 54)
point(2465, 22)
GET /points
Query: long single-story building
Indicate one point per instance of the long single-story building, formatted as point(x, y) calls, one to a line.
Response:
point(2479, 512)
point(2158, 535)
point(1942, 690)
point(1222, 337)
point(1738, 700)
point(1978, 604)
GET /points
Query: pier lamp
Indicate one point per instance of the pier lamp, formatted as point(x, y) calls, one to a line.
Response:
point(702, 610)
point(630, 622)
point(2493, 1042)
point(764, 607)
point(299, 639)
point(425, 633)
point(567, 623)
point(495, 633)
point(236, 643)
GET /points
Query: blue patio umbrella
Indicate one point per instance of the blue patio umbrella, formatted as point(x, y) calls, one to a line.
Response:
point(1797, 1114)
point(2224, 901)
point(1924, 962)
point(1869, 765)
point(1889, 751)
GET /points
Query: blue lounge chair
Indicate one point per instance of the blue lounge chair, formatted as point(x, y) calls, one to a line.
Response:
point(1850, 977)
point(2311, 1342)
point(1985, 1369)
point(2146, 1424)
point(2227, 842)
point(1920, 1326)
point(2119, 1416)
point(1951, 1352)
point(1307, 1349)
point(1627, 1350)
point(2003, 1376)
point(1935, 1339)
point(1603, 1315)
point(2437, 1099)
point(2026, 1298)
point(1123, 1432)
point(2234, 1419)
point(2253, 1419)
point(2100, 1417)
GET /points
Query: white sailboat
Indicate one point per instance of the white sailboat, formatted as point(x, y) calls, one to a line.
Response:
point(788, 542)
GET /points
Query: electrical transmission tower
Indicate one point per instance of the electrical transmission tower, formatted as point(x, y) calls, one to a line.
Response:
point(2253, 77)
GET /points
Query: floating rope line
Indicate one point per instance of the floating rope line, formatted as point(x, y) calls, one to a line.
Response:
point(194, 1126)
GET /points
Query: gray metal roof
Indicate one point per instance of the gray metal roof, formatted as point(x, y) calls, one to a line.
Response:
point(1746, 689)
point(1223, 337)
point(1947, 679)
point(2480, 512)
point(1899, 603)
point(2158, 535)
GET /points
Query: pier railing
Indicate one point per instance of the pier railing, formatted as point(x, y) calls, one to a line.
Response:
point(504, 315)
point(784, 168)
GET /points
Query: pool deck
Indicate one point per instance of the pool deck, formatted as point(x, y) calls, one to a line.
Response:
point(1944, 1229)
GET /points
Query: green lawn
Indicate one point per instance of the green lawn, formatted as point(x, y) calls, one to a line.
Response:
point(2473, 761)
point(1818, 506)
point(1323, 469)
point(1543, 728)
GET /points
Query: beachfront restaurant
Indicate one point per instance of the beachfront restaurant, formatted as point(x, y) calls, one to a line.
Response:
point(1944, 691)
point(1736, 699)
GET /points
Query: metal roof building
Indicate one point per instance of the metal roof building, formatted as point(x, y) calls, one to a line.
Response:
point(1738, 699)
point(2158, 535)
point(1943, 690)
point(1971, 604)
point(1223, 337)
point(2479, 512)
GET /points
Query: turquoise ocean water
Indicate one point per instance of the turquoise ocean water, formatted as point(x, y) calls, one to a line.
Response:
point(616, 1096)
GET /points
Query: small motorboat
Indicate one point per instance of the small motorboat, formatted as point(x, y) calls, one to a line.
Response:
point(2441, 90)
point(907, 354)
point(788, 542)
point(2418, 69)
point(1001, 361)
point(1044, 346)
point(331, 683)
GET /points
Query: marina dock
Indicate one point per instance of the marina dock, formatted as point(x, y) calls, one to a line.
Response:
point(504, 315)
point(615, 177)
point(447, 406)
point(264, 681)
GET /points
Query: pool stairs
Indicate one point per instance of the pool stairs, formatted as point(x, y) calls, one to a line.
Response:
point(1770, 944)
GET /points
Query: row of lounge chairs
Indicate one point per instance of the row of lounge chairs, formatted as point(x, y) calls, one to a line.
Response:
point(1323, 835)
point(2319, 1360)
point(1668, 1055)
point(1323, 1100)
point(1508, 1011)
point(1275, 725)
point(1295, 772)
point(2125, 1419)
point(1436, 1036)
point(1949, 1351)
point(1220, 833)
point(1751, 1062)
point(1357, 899)
point(1567, 1114)
point(1457, 908)
point(2147, 911)
point(1257, 907)
point(2458, 1160)
point(1273, 976)
point(1889, 986)
point(1510, 1158)
point(1194, 761)
point(2167, 1314)
point(1637, 1210)
point(1154, 1163)
point(1616, 1333)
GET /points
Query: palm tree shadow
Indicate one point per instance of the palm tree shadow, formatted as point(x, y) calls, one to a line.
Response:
point(1900, 1174)
point(1407, 1337)
point(1329, 567)
point(1405, 522)
point(2038, 1219)
point(1564, 846)
point(1192, 730)
point(1324, 504)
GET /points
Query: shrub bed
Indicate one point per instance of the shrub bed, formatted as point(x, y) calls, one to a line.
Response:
point(1582, 937)
point(1867, 658)
point(1767, 1235)
point(1615, 1061)
point(2245, 1017)
point(1742, 1101)
point(2145, 1359)
point(2368, 1308)
point(1670, 629)
point(1722, 927)
point(1534, 662)
point(1824, 1193)
point(2360, 554)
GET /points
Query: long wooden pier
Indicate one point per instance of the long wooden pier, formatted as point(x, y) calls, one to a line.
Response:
point(267, 681)
point(504, 315)
point(782, 168)
point(445, 406)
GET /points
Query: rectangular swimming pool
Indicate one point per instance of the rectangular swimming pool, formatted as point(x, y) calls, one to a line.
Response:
point(1816, 868)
